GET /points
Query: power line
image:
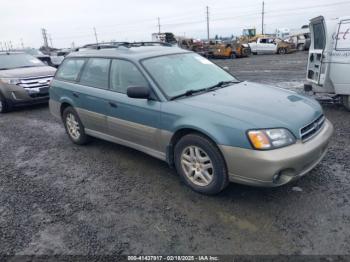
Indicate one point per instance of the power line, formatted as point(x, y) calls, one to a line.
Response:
point(182, 22)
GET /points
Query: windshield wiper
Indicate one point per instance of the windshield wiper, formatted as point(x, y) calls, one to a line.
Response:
point(25, 66)
point(188, 93)
point(191, 92)
point(221, 84)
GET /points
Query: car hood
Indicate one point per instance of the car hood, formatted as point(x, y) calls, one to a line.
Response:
point(28, 72)
point(259, 106)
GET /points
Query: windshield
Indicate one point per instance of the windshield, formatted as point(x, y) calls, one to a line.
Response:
point(179, 73)
point(11, 61)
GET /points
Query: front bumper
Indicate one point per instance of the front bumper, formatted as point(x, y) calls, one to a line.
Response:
point(276, 167)
point(18, 96)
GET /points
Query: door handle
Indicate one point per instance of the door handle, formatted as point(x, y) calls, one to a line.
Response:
point(75, 94)
point(113, 104)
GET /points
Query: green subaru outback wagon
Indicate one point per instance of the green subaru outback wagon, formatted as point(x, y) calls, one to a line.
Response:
point(178, 106)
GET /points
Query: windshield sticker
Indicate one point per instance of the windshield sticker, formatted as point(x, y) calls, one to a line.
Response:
point(203, 60)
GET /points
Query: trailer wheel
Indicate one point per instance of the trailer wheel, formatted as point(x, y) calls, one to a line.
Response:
point(346, 102)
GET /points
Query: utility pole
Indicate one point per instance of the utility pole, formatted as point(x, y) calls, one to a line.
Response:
point(96, 35)
point(44, 33)
point(158, 25)
point(262, 17)
point(50, 38)
point(208, 35)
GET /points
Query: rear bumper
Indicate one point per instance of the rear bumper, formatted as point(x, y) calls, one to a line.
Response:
point(276, 167)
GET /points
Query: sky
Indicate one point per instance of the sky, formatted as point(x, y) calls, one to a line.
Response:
point(68, 21)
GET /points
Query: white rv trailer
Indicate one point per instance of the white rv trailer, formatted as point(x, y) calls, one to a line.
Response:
point(329, 58)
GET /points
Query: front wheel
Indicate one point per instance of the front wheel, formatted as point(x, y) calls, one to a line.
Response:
point(74, 126)
point(4, 105)
point(200, 164)
point(346, 102)
point(282, 51)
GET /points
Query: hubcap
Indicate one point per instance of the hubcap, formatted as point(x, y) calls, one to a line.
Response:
point(197, 165)
point(72, 126)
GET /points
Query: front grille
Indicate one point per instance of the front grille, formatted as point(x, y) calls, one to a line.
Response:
point(36, 86)
point(35, 82)
point(312, 129)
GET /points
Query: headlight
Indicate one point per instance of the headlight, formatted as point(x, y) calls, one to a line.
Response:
point(10, 81)
point(270, 138)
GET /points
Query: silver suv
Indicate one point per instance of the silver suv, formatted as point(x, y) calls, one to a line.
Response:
point(24, 79)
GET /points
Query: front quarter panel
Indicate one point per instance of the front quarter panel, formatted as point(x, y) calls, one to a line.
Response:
point(221, 129)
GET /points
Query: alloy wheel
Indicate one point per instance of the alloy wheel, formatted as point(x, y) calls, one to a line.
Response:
point(73, 126)
point(197, 165)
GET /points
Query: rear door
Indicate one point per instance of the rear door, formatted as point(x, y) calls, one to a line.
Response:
point(271, 46)
point(316, 52)
point(93, 84)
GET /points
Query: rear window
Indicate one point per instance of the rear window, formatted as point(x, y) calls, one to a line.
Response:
point(70, 69)
point(319, 36)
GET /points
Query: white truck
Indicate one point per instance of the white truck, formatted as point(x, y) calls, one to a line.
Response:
point(328, 68)
point(268, 45)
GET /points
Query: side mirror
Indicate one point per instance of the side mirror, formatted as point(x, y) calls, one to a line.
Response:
point(141, 92)
point(226, 68)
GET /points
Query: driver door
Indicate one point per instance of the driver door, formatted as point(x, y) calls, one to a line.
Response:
point(135, 121)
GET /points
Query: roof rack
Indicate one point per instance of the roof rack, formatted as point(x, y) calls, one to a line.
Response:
point(107, 45)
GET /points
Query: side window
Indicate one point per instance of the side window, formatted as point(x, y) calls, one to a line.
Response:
point(125, 74)
point(95, 73)
point(263, 41)
point(70, 69)
point(319, 36)
point(343, 36)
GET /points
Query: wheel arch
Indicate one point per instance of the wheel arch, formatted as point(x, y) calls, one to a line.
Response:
point(181, 132)
point(63, 106)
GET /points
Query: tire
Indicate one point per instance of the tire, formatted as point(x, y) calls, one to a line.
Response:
point(74, 126)
point(4, 105)
point(346, 102)
point(282, 51)
point(191, 154)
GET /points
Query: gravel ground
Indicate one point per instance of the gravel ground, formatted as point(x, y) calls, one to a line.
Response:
point(60, 198)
